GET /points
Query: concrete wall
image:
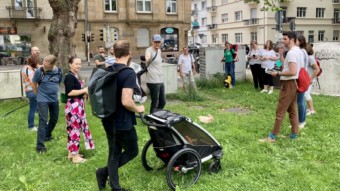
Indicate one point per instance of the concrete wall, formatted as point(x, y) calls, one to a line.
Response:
point(210, 62)
point(329, 56)
point(11, 86)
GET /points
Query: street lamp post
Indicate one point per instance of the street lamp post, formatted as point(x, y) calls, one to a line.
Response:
point(87, 32)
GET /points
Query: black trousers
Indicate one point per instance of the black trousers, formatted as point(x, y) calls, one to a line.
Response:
point(257, 76)
point(118, 141)
point(157, 93)
point(267, 78)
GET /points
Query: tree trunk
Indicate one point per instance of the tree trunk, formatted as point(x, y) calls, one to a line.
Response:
point(62, 30)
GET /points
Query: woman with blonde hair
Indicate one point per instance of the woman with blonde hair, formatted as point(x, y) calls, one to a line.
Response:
point(255, 64)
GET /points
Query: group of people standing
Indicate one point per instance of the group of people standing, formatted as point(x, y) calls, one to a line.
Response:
point(42, 82)
point(259, 61)
point(299, 55)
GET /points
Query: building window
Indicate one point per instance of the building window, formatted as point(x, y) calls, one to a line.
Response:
point(224, 18)
point(204, 39)
point(253, 36)
point(238, 37)
point(321, 36)
point(171, 6)
point(144, 6)
point(143, 37)
point(224, 2)
point(310, 36)
point(320, 12)
point(336, 35)
point(110, 5)
point(238, 15)
point(301, 12)
point(214, 38)
point(204, 21)
point(28, 6)
point(203, 5)
point(224, 38)
point(195, 7)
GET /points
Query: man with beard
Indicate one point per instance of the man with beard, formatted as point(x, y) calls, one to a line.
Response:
point(288, 93)
point(120, 131)
point(99, 59)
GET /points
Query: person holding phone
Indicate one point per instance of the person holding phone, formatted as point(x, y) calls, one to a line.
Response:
point(255, 64)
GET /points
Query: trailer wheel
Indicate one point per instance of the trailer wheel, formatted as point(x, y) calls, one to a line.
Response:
point(184, 169)
point(149, 159)
point(215, 167)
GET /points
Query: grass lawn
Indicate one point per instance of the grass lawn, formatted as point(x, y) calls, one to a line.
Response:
point(241, 116)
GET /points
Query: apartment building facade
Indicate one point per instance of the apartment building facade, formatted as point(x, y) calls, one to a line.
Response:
point(240, 21)
point(25, 23)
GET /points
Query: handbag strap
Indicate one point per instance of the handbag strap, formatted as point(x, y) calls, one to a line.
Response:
point(151, 60)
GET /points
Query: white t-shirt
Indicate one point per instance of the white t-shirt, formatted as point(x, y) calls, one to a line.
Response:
point(154, 75)
point(311, 62)
point(252, 60)
point(268, 63)
point(186, 62)
point(294, 55)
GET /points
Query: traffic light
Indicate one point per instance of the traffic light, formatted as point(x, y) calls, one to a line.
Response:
point(88, 38)
point(102, 34)
point(92, 37)
point(83, 37)
point(115, 35)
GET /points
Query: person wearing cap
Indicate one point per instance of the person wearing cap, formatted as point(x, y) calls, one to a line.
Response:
point(154, 75)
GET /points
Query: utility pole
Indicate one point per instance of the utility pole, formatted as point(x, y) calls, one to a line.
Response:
point(86, 33)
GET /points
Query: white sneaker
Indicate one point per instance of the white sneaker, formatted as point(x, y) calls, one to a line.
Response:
point(270, 92)
point(302, 125)
point(143, 99)
point(264, 91)
point(33, 129)
point(311, 112)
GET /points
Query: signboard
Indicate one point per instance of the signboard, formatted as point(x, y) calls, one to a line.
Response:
point(8, 30)
point(195, 25)
point(169, 30)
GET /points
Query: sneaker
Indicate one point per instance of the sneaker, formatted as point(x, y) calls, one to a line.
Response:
point(302, 125)
point(309, 112)
point(264, 91)
point(33, 129)
point(267, 140)
point(270, 92)
point(41, 150)
point(144, 98)
point(101, 178)
point(231, 87)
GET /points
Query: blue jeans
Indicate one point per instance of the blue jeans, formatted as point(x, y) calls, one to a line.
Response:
point(229, 68)
point(33, 108)
point(123, 147)
point(157, 93)
point(45, 129)
point(301, 107)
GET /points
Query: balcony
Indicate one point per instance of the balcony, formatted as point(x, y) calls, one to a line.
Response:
point(251, 2)
point(24, 12)
point(212, 26)
point(336, 21)
point(288, 19)
point(212, 9)
point(253, 21)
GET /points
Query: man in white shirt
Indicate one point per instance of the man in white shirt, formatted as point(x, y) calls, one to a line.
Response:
point(288, 93)
point(187, 68)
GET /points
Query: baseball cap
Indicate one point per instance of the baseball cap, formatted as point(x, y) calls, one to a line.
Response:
point(157, 37)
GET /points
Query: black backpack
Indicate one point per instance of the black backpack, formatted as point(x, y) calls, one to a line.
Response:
point(103, 91)
point(51, 75)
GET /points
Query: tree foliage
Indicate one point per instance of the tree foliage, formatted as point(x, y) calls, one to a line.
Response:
point(273, 5)
point(62, 29)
